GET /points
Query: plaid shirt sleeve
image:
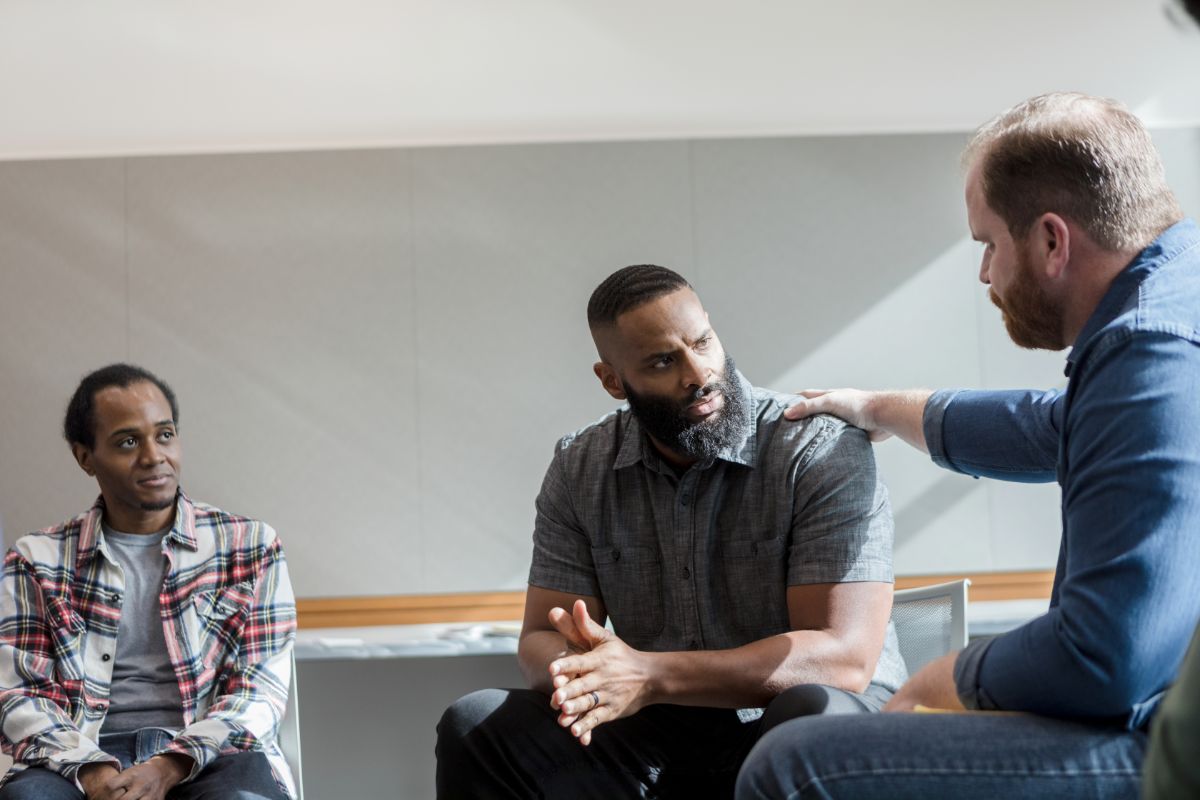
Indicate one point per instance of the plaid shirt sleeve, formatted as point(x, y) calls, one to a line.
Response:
point(38, 679)
point(251, 689)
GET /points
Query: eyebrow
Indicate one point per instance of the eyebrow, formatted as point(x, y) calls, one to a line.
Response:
point(652, 357)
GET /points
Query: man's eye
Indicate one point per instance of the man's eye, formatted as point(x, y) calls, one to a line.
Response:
point(661, 363)
point(127, 443)
point(703, 343)
point(166, 436)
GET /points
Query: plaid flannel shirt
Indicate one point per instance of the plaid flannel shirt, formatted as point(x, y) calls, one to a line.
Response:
point(229, 620)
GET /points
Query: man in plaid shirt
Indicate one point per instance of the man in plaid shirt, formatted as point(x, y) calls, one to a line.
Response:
point(145, 646)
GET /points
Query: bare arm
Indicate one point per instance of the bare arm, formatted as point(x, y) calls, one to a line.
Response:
point(880, 414)
point(541, 643)
point(839, 632)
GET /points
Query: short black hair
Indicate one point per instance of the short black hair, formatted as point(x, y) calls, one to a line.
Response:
point(628, 288)
point(79, 424)
point(1193, 8)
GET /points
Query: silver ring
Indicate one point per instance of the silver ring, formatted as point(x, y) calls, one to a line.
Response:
point(595, 699)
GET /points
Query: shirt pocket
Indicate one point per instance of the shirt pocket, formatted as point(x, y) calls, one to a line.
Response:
point(631, 587)
point(219, 619)
point(754, 575)
point(66, 633)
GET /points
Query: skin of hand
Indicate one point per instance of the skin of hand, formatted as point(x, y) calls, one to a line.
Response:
point(933, 686)
point(852, 405)
point(620, 675)
point(151, 780)
point(94, 778)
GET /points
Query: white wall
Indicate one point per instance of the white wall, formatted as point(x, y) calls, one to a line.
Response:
point(142, 76)
point(376, 350)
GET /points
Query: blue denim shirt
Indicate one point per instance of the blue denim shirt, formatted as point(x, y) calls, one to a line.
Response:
point(1123, 442)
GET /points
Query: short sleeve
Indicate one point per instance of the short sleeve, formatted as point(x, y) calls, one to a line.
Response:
point(562, 553)
point(842, 522)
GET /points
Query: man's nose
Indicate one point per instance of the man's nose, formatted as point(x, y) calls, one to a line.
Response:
point(695, 373)
point(983, 271)
point(151, 452)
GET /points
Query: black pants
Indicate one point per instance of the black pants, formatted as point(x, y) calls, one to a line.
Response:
point(506, 743)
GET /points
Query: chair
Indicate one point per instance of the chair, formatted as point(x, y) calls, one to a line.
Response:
point(930, 621)
point(289, 733)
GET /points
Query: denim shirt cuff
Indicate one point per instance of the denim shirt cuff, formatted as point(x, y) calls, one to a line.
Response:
point(932, 422)
point(966, 676)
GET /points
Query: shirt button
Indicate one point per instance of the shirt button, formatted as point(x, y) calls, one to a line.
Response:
point(106, 657)
point(683, 500)
point(115, 598)
point(616, 554)
point(694, 644)
point(687, 573)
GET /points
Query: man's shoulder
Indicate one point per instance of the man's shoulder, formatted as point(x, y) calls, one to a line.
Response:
point(51, 544)
point(597, 439)
point(773, 430)
point(229, 528)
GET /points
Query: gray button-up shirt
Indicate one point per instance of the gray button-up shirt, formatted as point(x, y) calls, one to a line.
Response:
point(702, 560)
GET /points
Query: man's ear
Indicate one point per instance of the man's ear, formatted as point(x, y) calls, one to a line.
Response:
point(609, 379)
point(83, 457)
point(1051, 245)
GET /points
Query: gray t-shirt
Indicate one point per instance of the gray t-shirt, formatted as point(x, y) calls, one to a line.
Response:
point(702, 561)
point(145, 691)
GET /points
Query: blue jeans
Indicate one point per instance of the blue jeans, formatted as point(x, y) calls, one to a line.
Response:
point(899, 756)
point(245, 776)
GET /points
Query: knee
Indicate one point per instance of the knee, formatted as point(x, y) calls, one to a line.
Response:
point(468, 712)
point(39, 784)
point(778, 765)
point(799, 701)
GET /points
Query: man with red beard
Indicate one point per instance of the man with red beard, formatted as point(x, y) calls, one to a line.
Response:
point(1084, 246)
point(744, 563)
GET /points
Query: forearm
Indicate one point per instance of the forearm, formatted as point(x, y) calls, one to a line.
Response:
point(534, 654)
point(754, 674)
point(901, 413)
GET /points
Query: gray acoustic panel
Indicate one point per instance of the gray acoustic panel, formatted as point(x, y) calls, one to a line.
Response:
point(846, 261)
point(63, 312)
point(510, 242)
point(275, 292)
point(368, 728)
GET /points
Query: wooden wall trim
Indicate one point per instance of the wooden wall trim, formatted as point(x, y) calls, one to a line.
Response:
point(416, 609)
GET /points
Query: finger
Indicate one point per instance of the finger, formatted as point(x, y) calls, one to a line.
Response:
point(595, 634)
point(578, 697)
point(586, 739)
point(591, 720)
point(566, 721)
point(812, 404)
point(573, 665)
point(565, 625)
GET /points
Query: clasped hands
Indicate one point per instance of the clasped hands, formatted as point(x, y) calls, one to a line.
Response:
point(150, 780)
point(599, 679)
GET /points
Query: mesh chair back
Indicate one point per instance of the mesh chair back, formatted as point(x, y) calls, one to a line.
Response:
point(930, 621)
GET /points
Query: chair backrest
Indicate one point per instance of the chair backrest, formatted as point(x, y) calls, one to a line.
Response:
point(930, 621)
point(289, 733)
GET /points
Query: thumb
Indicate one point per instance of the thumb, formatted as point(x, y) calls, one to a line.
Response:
point(595, 634)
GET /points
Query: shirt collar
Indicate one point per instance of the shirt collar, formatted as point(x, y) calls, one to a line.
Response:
point(1181, 236)
point(637, 447)
point(183, 531)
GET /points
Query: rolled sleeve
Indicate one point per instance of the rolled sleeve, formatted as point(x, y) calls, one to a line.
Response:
point(933, 423)
point(966, 676)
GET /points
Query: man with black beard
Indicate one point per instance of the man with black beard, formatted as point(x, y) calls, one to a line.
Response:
point(742, 562)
